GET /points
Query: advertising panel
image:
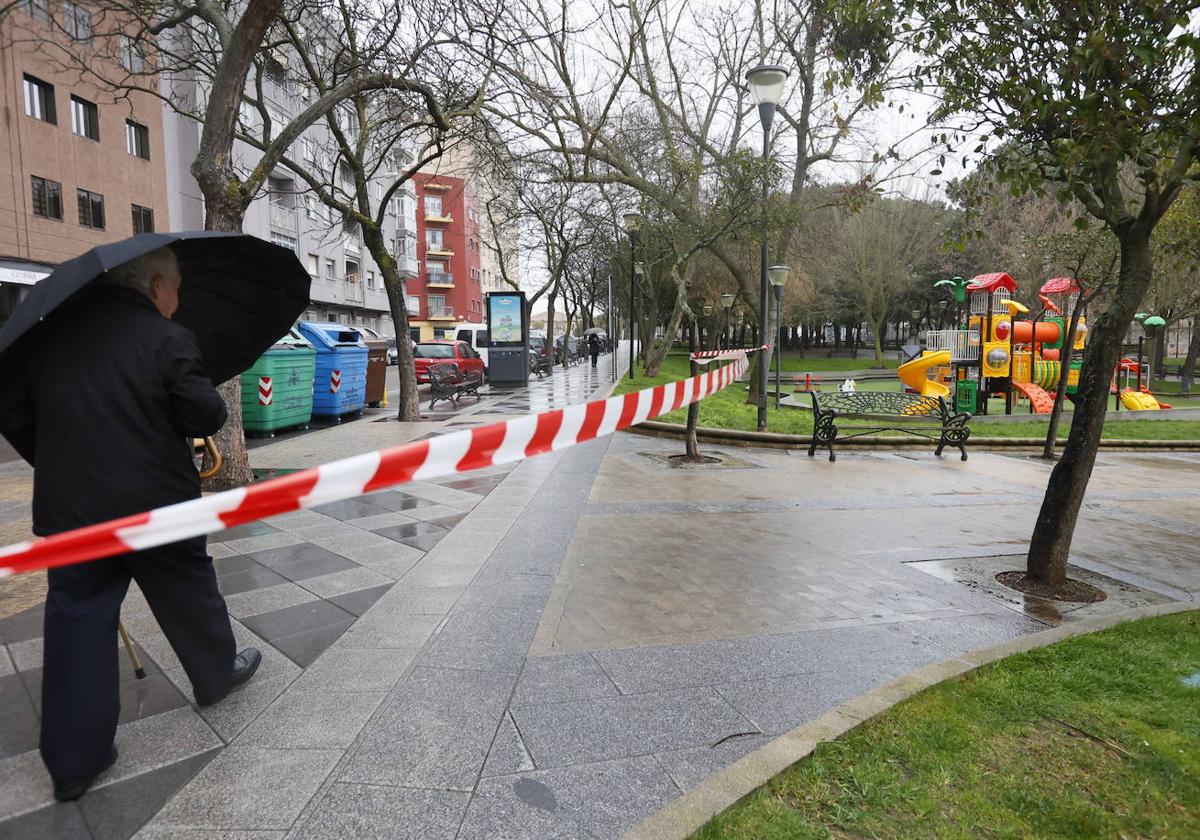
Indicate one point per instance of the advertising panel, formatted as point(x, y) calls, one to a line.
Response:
point(506, 319)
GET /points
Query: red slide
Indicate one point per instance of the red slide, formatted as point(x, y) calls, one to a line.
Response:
point(1043, 402)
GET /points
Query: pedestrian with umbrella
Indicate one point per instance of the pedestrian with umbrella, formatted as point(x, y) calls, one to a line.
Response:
point(110, 365)
point(593, 343)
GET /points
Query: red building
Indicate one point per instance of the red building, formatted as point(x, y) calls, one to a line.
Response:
point(447, 286)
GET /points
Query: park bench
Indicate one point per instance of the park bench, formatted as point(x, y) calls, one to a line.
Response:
point(950, 429)
point(448, 382)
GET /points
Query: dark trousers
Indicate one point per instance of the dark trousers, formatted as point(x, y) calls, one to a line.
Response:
point(595, 357)
point(80, 698)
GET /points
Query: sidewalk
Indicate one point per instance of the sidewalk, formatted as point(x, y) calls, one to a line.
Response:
point(561, 647)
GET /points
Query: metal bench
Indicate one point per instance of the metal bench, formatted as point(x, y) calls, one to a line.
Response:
point(447, 382)
point(951, 428)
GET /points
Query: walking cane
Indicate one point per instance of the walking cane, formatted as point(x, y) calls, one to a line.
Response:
point(210, 447)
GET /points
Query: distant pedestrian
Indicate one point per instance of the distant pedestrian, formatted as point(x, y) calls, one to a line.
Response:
point(104, 402)
point(593, 342)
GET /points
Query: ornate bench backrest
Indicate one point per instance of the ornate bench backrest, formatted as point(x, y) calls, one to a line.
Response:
point(445, 373)
point(887, 403)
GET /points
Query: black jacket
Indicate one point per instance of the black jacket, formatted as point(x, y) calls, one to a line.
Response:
point(103, 402)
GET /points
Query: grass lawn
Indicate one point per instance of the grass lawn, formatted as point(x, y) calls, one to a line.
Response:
point(1001, 752)
point(728, 410)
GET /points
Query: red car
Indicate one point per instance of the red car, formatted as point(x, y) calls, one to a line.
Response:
point(459, 353)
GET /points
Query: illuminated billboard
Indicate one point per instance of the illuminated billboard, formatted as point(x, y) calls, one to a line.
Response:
point(506, 319)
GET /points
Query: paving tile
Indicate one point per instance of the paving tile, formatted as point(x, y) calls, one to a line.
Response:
point(341, 583)
point(312, 717)
point(151, 696)
point(967, 633)
point(249, 788)
point(397, 502)
point(249, 580)
point(232, 565)
point(601, 729)
point(568, 803)
point(350, 509)
point(409, 529)
point(437, 512)
point(383, 520)
point(554, 679)
point(357, 669)
point(388, 628)
point(508, 753)
point(778, 705)
point(235, 712)
point(303, 648)
point(296, 619)
point(424, 542)
point(448, 522)
point(483, 638)
point(362, 600)
point(155, 832)
point(433, 732)
point(237, 532)
point(302, 561)
point(6, 663)
point(394, 560)
point(117, 811)
point(26, 624)
point(270, 599)
point(60, 821)
point(371, 812)
point(249, 545)
point(688, 768)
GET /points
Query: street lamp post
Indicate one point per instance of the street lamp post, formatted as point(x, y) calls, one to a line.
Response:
point(633, 221)
point(766, 84)
point(727, 302)
point(778, 275)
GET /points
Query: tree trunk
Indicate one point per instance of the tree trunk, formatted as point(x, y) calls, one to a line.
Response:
point(550, 299)
point(1160, 355)
point(878, 330)
point(1188, 372)
point(690, 441)
point(655, 358)
point(1050, 546)
point(409, 405)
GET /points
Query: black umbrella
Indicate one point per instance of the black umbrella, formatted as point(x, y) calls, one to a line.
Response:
point(239, 295)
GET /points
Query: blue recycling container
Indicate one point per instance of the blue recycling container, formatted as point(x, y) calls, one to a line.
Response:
point(340, 380)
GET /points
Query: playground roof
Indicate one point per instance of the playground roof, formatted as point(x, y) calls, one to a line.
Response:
point(992, 282)
point(1061, 286)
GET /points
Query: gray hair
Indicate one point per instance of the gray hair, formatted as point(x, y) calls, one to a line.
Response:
point(138, 273)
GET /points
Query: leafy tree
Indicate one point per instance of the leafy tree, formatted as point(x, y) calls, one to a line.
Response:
point(1096, 103)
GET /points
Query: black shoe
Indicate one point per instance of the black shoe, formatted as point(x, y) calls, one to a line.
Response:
point(244, 666)
point(70, 791)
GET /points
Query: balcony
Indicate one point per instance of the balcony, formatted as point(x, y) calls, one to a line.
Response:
point(441, 220)
point(439, 279)
point(441, 313)
point(440, 251)
point(407, 266)
point(352, 289)
point(430, 185)
point(284, 218)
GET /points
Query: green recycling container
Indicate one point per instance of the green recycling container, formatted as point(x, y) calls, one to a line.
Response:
point(966, 396)
point(277, 390)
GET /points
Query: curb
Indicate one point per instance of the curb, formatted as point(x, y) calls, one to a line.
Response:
point(689, 812)
point(737, 437)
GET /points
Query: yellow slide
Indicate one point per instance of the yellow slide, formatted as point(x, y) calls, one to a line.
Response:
point(913, 373)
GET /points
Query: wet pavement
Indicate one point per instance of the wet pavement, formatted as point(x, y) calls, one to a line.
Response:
point(559, 648)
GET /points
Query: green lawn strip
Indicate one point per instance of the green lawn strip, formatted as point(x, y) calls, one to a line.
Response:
point(1000, 752)
point(727, 409)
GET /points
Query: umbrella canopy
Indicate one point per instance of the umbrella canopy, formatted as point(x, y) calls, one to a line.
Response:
point(239, 293)
point(593, 331)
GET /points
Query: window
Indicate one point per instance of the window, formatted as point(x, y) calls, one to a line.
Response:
point(288, 242)
point(370, 279)
point(330, 270)
point(77, 21)
point(85, 118)
point(310, 206)
point(314, 265)
point(143, 219)
point(91, 209)
point(437, 304)
point(137, 139)
point(40, 9)
point(310, 150)
point(47, 198)
point(131, 55)
point(433, 239)
point(39, 100)
point(433, 205)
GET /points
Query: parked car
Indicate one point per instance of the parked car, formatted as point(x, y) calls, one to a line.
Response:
point(428, 353)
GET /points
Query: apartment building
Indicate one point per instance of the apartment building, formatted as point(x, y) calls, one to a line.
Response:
point(449, 288)
point(79, 169)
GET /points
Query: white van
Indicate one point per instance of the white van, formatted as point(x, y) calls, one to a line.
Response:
point(477, 336)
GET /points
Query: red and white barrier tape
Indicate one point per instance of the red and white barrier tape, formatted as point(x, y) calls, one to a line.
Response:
point(703, 357)
point(461, 451)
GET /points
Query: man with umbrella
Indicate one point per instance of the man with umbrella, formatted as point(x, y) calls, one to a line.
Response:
point(103, 396)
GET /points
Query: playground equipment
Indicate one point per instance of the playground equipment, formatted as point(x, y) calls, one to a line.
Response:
point(994, 350)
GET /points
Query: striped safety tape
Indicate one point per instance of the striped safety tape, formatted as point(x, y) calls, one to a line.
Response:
point(461, 451)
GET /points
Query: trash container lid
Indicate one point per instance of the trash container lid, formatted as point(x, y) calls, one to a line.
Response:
point(293, 339)
point(330, 335)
